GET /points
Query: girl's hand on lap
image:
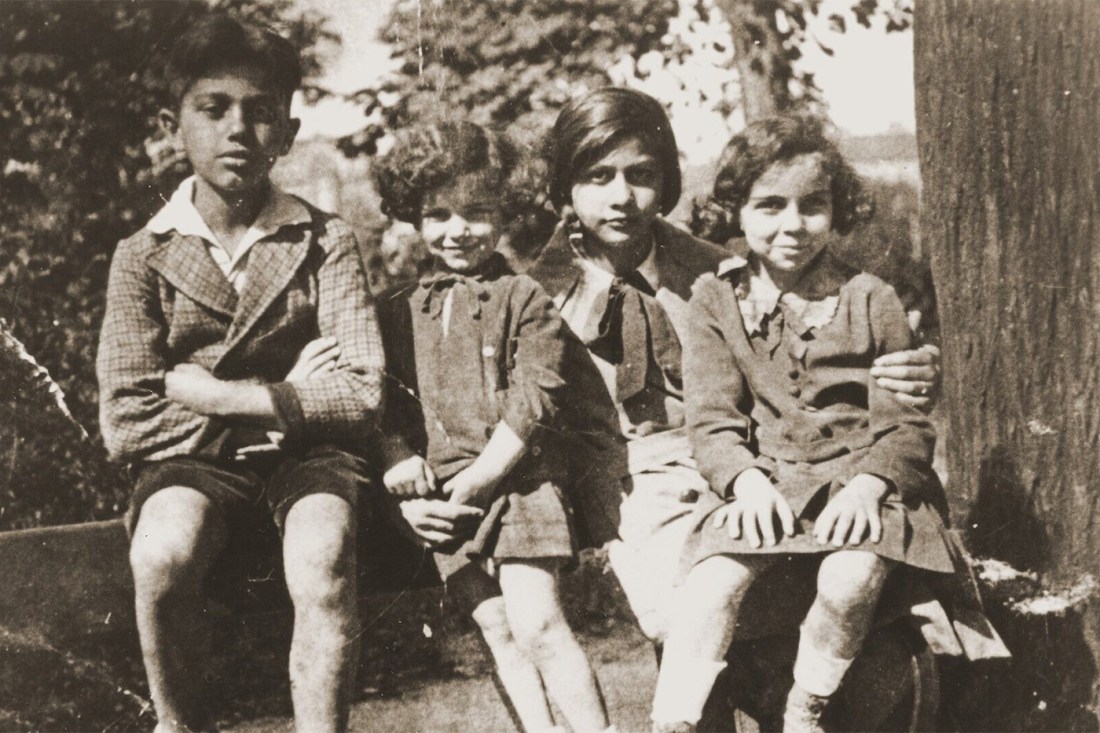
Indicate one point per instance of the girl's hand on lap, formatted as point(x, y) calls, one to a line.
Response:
point(318, 358)
point(854, 513)
point(410, 477)
point(752, 512)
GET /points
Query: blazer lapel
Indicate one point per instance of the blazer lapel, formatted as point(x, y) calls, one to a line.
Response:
point(185, 262)
point(272, 264)
point(556, 269)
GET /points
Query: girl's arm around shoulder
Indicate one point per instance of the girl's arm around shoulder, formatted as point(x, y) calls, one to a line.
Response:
point(904, 436)
point(716, 394)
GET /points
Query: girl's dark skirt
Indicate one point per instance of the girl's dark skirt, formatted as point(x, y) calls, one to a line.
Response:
point(531, 519)
point(913, 532)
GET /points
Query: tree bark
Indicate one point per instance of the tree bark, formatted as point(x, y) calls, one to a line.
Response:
point(1008, 128)
point(762, 66)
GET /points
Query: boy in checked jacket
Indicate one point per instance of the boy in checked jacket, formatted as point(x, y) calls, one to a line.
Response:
point(208, 308)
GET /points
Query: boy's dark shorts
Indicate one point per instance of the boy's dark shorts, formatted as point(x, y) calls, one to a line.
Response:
point(270, 484)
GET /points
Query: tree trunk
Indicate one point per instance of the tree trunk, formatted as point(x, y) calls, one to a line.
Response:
point(1008, 127)
point(762, 66)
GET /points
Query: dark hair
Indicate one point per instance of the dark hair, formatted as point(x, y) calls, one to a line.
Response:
point(590, 127)
point(216, 41)
point(755, 149)
point(428, 156)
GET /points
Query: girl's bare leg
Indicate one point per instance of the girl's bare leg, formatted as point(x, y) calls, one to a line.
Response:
point(848, 587)
point(703, 621)
point(537, 621)
point(480, 595)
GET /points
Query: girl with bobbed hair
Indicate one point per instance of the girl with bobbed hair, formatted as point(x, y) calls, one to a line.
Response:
point(621, 275)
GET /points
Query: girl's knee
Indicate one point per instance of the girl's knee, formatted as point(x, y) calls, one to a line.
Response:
point(718, 581)
point(492, 619)
point(851, 576)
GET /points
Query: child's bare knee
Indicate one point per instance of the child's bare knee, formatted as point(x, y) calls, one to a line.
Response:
point(492, 619)
point(718, 582)
point(173, 545)
point(851, 577)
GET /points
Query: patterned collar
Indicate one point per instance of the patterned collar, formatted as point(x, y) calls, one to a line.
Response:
point(813, 306)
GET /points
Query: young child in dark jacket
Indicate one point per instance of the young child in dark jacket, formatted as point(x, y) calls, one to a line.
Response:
point(475, 357)
point(805, 453)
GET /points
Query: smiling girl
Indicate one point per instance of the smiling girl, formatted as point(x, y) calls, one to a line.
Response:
point(475, 356)
point(805, 453)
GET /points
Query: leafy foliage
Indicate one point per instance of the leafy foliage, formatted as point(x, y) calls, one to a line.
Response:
point(505, 59)
point(79, 89)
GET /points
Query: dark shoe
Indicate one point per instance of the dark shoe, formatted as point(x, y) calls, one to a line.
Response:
point(678, 727)
point(803, 712)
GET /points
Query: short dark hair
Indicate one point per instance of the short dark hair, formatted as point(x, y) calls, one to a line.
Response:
point(427, 156)
point(590, 127)
point(216, 41)
point(760, 145)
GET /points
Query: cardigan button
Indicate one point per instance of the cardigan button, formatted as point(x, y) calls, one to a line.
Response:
point(793, 373)
point(794, 390)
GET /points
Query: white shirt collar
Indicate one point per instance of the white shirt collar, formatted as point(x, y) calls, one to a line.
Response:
point(180, 214)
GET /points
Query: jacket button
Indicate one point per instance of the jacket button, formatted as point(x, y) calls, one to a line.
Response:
point(794, 390)
point(536, 450)
point(793, 373)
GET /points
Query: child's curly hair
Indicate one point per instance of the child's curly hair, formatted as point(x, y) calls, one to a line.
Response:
point(755, 149)
point(424, 157)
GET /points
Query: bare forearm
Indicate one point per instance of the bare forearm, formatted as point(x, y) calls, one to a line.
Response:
point(503, 451)
point(249, 403)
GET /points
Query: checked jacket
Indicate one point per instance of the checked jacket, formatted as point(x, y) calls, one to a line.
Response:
point(168, 303)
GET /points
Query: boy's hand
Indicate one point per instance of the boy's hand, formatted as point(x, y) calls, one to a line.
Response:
point(852, 512)
point(913, 376)
point(410, 477)
point(318, 358)
point(752, 512)
point(437, 522)
point(473, 486)
point(195, 388)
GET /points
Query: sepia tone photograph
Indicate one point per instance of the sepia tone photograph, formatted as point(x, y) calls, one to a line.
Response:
point(603, 366)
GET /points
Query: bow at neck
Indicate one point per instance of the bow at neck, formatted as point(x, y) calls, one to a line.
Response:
point(436, 283)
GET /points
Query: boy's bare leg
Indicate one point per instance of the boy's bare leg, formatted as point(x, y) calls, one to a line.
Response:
point(178, 535)
point(319, 539)
point(535, 616)
point(480, 596)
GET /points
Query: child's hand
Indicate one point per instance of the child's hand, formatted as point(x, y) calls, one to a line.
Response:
point(318, 357)
point(913, 376)
point(855, 509)
point(195, 388)
point(472, 486)
point(410, 477)
point(756, 504)
point(437, 522)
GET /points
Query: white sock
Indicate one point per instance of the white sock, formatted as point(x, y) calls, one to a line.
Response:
point(816, 671)
point(683, 686)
